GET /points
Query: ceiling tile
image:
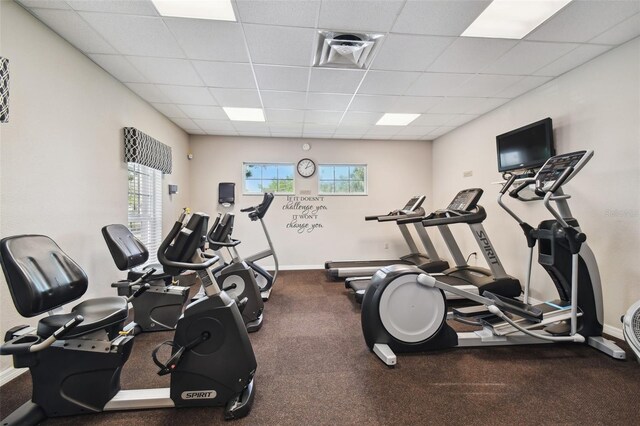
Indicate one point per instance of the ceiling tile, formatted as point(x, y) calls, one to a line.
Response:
point(170, 110)
point(527, 83)
point(250, 127)
point(353, 129)
point(148, 92)
point(432, 120)
point(487, 105)
point(374, 136)
point(461, 119)
point(280, 45)
point(285, 128)
point(179, 72)
point(293, 13)
point(196, 132)
point(207, 39)
point(470, 55)
point(484, 85)
point(323, 117)
point(46, 4)
point(284, 115)
point(458, 105)
point(272, 77)
point(405, 137)
point(331, 80)
point(215, 125)
point(387, 82)
point(346, 136)
point(409, 52)
point(135, 35)
point(328, 101)
point(356, 118)
point(293, 134)
point(448, 18)
point(372, 103)
point(226, 74)
point(581, 21)
point(70, 26)
point(576, 57)
point(118, 67)
point(188, 95)
point(440, 131)
point(222, 132)
point(318, 128)
point(417, 131)
point(283, 100)
point(437, 84)
point(240, 98)
point(115, 6)
point(185, 123)
point(383, 131)
point(359, 15)
point(527, 57)
point(204, 112)
point(621, 33)
point(414, 104)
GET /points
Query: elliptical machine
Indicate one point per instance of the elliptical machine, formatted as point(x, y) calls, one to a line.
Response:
point(159, 307)
point(75, 359)
point(405, 310)
point(235, 278)
point(264, 279)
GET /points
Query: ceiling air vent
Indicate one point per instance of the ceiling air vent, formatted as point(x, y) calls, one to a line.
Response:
point(344, 50)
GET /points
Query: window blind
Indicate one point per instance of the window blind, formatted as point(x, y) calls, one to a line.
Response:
point(145, 207)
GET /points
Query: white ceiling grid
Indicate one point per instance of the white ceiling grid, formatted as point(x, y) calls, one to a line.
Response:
point(188, 69)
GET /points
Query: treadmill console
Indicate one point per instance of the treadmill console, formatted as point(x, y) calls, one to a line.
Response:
point(555, 166)
point(466, 199)
point(413, 204)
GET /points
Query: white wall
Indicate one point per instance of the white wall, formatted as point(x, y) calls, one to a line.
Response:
point(397, 170)
point(596, 106)
point(62, 169)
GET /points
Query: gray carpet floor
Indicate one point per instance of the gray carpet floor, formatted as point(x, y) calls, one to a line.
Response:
point(315, 369)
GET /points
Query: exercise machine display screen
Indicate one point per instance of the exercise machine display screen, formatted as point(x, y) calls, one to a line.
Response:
point(413, 204)
point(554, 167)
point(466, 199)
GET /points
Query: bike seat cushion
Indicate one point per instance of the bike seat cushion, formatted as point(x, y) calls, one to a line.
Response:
point(98, 314)
point(127, 250)
point(40, 276)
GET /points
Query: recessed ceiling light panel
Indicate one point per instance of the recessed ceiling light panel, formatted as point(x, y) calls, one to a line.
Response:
point(219, 10)
point(396, 119)
point(244, 114)
point(513, 19)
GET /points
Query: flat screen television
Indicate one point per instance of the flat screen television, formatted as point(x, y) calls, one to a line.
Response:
point(527, 147)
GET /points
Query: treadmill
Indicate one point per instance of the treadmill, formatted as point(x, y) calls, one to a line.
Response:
point(464, 209)
point(366, 268)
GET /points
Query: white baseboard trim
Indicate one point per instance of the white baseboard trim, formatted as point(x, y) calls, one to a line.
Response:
point(299, 267)
point(10, 373)
point(613, 331)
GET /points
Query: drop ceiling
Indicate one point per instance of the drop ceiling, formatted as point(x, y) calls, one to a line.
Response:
point(188, 69)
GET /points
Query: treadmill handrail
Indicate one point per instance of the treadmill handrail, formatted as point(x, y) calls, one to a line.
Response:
point(477, 215)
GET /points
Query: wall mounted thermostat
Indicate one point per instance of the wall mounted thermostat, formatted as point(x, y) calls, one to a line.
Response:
point(306, 147)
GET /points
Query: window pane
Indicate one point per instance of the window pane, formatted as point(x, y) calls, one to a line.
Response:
point(252, 186)
point(357, 186)
point(326, 172)
point(326, 186)
point(342, 186)
point(269, 171)
point(356, 173)
point(269, 186)
point(342, 172)
point(252, 171)
point(285, 185)
point(285, 172)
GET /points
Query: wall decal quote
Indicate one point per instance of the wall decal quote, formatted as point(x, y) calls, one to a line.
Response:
point(305, 213)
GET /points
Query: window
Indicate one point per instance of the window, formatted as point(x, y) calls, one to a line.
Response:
point(145, 207)
point(266, 177)
point(342, 179)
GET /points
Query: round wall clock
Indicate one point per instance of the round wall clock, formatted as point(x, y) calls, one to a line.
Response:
point(306, 167)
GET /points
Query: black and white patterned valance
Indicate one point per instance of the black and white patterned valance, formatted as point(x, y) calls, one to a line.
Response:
point(143, 149)
point(4, 90)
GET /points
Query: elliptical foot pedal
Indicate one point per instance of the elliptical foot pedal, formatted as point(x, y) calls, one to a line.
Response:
point(255, 325)
point(29, 413)
point(359, 296)
point(240, 406)
point(385, 353)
